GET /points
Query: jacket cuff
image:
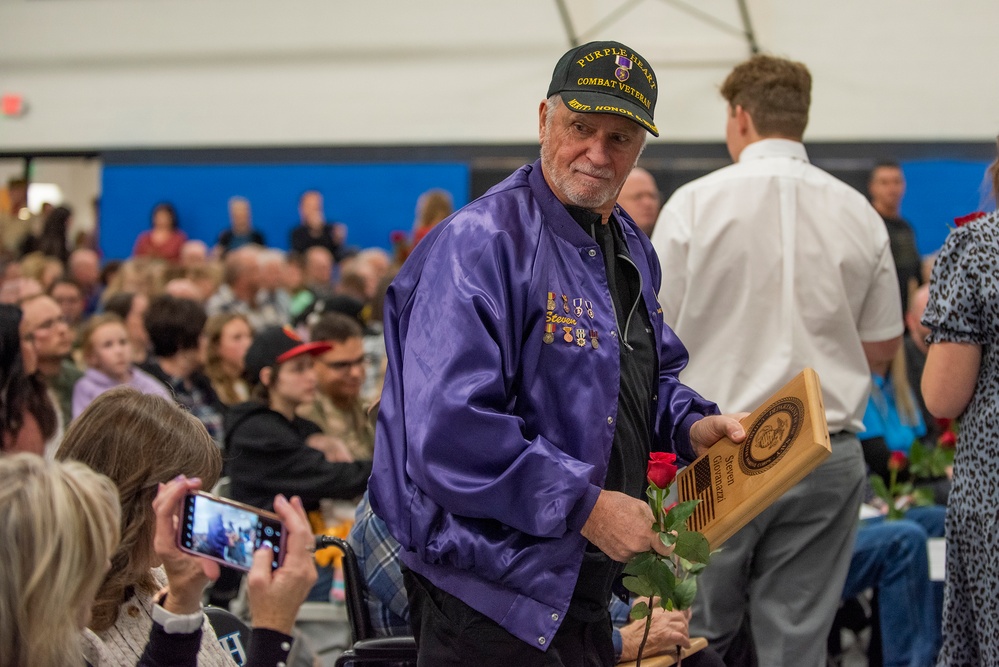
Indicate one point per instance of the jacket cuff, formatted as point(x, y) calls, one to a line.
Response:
point(270, 647)
point(170, 650)
point(581, 512)
point(681, 443)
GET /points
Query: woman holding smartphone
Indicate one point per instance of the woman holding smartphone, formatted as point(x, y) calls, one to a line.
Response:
point(275, 594)
point(140, 441)
point(60, 523)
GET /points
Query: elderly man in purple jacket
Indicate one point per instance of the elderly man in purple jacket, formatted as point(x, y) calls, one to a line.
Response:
point(529, 376)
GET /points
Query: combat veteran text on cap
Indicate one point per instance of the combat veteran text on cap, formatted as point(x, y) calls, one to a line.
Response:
point(607, 77)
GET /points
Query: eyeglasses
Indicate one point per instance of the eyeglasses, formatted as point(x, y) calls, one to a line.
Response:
point(47, 325)
point(341, 366)
point(71, 298)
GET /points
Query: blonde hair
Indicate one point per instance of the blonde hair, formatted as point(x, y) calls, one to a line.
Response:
point(91, 327)
point(432, 207)
point(139, 441)
point(35, 264)
point(904, 399)
point(58, 527)
point(223, 384)
point(146, 275)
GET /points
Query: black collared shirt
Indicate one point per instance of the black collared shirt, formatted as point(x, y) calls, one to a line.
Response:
point(633, 429)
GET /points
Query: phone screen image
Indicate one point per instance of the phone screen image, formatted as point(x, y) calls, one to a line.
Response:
point(228, 533)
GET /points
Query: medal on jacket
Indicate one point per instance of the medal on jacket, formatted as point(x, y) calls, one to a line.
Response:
point(549, 333)
point(578, 307)
point(565, 304)
point(581, 337)
point(551, 301)
point(589, 308)
point(568, 334)
point(593, 338)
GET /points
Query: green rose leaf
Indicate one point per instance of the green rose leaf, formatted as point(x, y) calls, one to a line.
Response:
point(917, 456)
point(677, 517)
point(692, 546)
point(922, 497)
point(663, 581)
point(669, 539)
point(693, 568)
point(639, 586)
point(639, 565)
point(683, 594)
point(880, 490)
point(639, 611)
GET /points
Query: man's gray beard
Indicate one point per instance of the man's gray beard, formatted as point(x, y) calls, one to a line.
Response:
point(566, 187)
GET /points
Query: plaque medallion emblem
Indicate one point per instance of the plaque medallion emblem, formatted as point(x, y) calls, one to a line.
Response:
point(771, 435)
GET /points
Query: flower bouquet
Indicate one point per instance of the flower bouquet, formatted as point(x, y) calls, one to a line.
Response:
point(668, 581)
point(923, 463)
point(935, 462)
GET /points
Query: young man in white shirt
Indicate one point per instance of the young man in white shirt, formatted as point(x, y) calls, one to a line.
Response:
point(771, 265)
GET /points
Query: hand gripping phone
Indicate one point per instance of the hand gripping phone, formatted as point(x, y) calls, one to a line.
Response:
point(228, 532)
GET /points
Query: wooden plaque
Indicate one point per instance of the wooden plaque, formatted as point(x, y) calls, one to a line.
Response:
point(786, 438)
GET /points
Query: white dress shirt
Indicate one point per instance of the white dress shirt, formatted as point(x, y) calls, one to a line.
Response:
point(771, 265)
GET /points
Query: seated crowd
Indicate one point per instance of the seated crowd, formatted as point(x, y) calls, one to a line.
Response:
point(163, 373)
point(183, 364)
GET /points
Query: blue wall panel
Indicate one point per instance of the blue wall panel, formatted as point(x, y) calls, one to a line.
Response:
point(938, 191)
point(372, 199)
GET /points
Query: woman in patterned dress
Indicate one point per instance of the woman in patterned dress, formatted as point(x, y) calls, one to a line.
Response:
point(961, 379)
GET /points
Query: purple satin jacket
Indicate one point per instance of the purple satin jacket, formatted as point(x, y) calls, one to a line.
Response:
point(500, 399)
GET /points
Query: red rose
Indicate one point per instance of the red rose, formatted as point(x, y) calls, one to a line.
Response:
point(965, 219)
point(661, 470)
point(897, 461)
point(948, 440)
point(943, 423)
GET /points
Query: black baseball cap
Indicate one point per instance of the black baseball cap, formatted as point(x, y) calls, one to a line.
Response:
point(276, 345)
point(607, 77)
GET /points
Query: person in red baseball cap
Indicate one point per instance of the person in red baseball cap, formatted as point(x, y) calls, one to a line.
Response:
point(271, 450)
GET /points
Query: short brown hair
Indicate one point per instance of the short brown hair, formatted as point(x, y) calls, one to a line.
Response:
point(174, 324)
point(775, 92)
point(336, 328)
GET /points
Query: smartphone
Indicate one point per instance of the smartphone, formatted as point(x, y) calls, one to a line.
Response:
point(228, 532)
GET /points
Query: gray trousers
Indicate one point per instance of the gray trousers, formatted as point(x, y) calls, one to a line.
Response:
point(785, 570)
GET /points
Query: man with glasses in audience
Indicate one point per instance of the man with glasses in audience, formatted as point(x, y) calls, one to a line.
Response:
point(69, 296)
point(338, 408)
point(45, 326)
